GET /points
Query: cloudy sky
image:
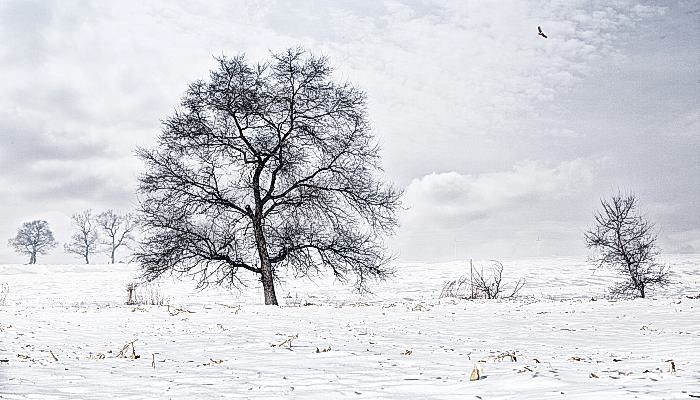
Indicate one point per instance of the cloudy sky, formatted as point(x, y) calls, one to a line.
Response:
point(503, 141)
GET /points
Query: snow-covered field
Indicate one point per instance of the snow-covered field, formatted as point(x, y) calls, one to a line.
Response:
point(62, 327)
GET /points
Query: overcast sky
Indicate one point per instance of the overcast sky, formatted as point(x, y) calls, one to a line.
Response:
point(503, 141)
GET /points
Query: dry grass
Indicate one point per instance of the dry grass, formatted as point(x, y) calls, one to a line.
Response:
point(4, 291)
point(145, 295)
point(125, 353)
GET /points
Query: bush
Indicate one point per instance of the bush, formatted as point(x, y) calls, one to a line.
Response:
point(482, 285)
point(145, 294)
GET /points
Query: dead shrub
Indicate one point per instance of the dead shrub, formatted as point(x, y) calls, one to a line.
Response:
point(4, 291)
point(481, 284)
point(145, 294)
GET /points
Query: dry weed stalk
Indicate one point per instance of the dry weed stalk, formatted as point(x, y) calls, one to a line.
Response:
point(130, 289)
point(235, 308)
point(287, 342)
point(178, 310)
point(4, 291)
point(672, 367)
point(508, 354)
point(147, 294)
point(123, 353)
point(475, 375)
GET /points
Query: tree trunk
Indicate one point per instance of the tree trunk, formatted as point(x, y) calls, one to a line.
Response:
point(268, 283)
point(113, 248)
point(87, 259)
point(267, 278)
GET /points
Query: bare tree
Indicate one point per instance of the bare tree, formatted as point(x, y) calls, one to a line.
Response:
point(263, 168)
point(33, 238)
point(84, 240)
point(118, 230)
point(625, 241)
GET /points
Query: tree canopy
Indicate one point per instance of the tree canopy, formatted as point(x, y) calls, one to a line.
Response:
point(264, 168)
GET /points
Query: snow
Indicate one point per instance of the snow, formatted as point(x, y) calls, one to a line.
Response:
point(402, 342)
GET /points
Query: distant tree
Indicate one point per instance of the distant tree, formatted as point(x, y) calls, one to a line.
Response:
point(117, 229)
point(84, 240)
point(625, 241)
point(266, 167)
point(33, 238)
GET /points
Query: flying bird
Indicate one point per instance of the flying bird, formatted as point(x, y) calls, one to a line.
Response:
point(539, 29)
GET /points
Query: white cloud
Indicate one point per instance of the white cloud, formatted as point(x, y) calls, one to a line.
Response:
point(499, 209)
point(455, 198)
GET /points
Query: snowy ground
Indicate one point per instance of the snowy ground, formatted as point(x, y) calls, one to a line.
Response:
point(402, 342)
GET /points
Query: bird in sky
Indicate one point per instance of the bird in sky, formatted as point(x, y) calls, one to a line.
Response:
point(539, 29)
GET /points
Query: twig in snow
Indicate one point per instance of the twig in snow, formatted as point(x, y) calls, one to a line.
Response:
point(178, 310)
point(509, 355)
point(4, 291)
point(235, 308)
point(287, 342)
point(124, 351)
point(672, 367)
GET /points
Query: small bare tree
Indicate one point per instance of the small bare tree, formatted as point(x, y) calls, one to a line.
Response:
point(33, 238)
point(117, 229)
point(84, 240)
point(625, 241)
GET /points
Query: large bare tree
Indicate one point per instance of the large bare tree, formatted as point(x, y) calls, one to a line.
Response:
point(625, 241)
point(33, 238)
point(266, 167)
point(117, 229)
point(84, 241)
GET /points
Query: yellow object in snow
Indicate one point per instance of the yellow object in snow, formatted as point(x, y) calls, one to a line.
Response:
point(475, 375)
